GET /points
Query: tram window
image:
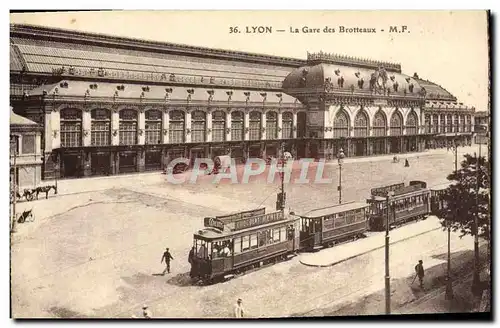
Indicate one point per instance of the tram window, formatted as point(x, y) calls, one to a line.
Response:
point(237, 245)
point(276, 235)
point(224, 248)
point(245, 243)
point(262, 238)
point(283, 233)
point(253, 241)
point(202, 251)
point(216, 249)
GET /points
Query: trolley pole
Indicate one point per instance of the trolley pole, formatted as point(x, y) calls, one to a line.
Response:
point(14, 201)
point(449, 287)
point(341, 162)
point(387, 274)
point(283, 198)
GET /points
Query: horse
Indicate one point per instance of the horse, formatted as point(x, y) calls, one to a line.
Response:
point(46, 190)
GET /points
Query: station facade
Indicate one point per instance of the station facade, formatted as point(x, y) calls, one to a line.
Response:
point(111, 105)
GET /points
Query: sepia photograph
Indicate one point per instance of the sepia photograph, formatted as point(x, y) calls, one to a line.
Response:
point(250, 164)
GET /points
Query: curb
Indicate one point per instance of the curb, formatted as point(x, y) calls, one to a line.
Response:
point(366, 252)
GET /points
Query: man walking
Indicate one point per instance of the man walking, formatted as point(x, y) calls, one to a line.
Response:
point(145, 312)
point(167, 257)
point(419, 270)
point(238, 309)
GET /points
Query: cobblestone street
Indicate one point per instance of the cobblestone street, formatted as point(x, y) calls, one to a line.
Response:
point(94, 250)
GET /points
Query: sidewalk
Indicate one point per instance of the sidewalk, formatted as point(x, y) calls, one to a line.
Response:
point(334, 255)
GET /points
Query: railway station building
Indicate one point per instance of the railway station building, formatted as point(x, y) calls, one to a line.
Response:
point(109, 105)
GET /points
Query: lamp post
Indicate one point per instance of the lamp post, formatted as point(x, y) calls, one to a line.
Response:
point(387, 274)
point(340, 161)
point(476, 280)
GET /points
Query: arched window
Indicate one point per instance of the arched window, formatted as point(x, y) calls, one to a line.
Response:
point(218, 126)
point(128, 127)
point(469, 124)
point(442, 125)
point(176, 126)
point(271, 125)
point(287, 125)
point(361, 124)
point(198, 126)
point(153, 126)
point(255, 126)
point(462, 123)
point(427, 123)
point(71, 127)
point(396, 124)
point(100, 127)
point(411, 123)
point(379, 124)
point(455, 123)
point(341, 125)
point(435, 123)
point(449, 123)
point(237, 126)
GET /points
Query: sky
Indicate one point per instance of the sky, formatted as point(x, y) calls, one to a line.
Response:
point(449, 48)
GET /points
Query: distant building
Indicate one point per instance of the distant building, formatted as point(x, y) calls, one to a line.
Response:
point(111, 105)
point(481, 127)
point(25, 145)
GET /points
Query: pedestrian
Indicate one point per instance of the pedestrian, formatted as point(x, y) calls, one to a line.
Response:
point(167, 257)
point(407, 164)
point(238, 309)
point(419, 270)
point(146, 313)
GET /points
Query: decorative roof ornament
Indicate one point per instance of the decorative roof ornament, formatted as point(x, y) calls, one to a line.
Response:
point(229, 94)
point(328, 85)
point(264, 96)
point(210, 95)
point(247, 94)
point(190, 93)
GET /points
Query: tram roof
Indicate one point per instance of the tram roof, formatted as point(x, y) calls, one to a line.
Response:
point(442, 186)
point(211, 233)
point(333, 209)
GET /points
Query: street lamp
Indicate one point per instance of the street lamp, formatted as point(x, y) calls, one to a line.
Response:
point(387, 275)
point(340, 157)
point(449, 287)
point(14, 140)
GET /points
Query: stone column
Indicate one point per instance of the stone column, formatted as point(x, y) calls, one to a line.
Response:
point(458, 123)
point(115, 127)
point(209, 126)
point(263, 134)
point(188, 127)
point(141, 128)
point(165, 123)
point(86, 128)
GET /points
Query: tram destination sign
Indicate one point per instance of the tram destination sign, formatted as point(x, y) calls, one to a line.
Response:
point(241, 215)
point(213, 223)
point(382, 191)
point(258, 220)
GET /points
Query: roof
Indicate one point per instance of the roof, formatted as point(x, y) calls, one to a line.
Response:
point(68, 88)
point(316, 76)
point(435, 91)
point(54, 51)
point(210, 233)
point(333, 209)
point(18, 120)
point(447, 105)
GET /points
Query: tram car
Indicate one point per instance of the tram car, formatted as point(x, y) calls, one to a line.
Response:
point(232, 244)
point(406, 203)
point(437, 201)
point(328, 226)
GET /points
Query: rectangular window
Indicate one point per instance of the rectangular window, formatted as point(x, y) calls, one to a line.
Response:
point(236, 131)
point(254, 133)
point(176, 132)
point(153, 133)
point(128, 133)
point(100, 133)
point(237, 245)
point(245, 243)
point(28, 142)
point(253, 241)
point(283, 233)
point(70, 134)
point(198, 131)
point(276, 235)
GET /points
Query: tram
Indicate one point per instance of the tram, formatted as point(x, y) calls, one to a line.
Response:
point(232, 244)
point(405, 203)
point(325, 227)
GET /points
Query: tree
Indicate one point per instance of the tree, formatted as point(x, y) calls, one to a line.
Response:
point(460, 198)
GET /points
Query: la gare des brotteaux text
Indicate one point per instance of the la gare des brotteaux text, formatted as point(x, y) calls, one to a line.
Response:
point(328, 29)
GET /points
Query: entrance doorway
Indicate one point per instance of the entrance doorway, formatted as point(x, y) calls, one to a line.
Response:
point(128, 162)
point(100, 164)
point(71, 166)
point(395, 145)
point(153, 160)
point(359, 147)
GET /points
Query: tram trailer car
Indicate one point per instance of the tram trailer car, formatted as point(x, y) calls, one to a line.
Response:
point(406, 203)
point(328, 226)
point(437, 201)
point(233, 244)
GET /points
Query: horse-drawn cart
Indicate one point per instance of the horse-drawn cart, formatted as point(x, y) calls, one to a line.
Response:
point(31, 193)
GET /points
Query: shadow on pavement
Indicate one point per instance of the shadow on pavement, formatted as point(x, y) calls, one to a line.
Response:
point(62, 312)
point(404, 293)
